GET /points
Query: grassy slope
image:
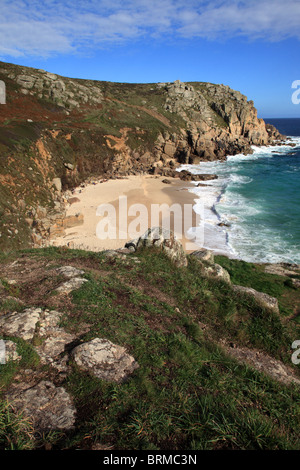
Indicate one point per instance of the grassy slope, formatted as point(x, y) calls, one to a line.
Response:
point(187, 393)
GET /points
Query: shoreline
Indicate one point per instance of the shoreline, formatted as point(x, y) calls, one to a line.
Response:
point(150, 190)
point(217, 235)
point(145, 190)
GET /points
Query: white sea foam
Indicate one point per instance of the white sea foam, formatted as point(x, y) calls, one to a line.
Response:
point(221, 207)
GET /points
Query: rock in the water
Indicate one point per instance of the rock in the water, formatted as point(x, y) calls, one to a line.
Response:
point(48, 406)
point(22, 325)
point(104, 359)
point(262, 299)
point(163, 239)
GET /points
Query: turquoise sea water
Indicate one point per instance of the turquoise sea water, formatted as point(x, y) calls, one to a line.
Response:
point(257, 197)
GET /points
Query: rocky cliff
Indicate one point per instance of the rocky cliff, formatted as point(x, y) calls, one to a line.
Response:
point(56, 132)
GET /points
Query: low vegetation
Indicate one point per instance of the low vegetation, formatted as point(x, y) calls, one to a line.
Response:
point(188, 392)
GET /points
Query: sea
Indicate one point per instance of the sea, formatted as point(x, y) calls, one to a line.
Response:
point(252, 211)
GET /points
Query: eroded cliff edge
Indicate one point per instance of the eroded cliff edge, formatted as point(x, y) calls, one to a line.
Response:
point(56, 132)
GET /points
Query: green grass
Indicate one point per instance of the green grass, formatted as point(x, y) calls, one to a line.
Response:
point(187, 393)
point(16, 431)
point(253, 275)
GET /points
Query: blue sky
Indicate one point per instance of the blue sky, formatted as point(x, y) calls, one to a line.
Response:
point(252, 46)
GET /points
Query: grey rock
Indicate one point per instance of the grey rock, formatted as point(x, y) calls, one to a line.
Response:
point(203, 255)
point(69, 166)
point(26, 81)
point(54, 340)
point(216, 271)
point(265, 364)
point(163, 239)
point(71, 284)
point(114, 254)
point(22, 325)
point(69, 271)
point(262, 299)
point(11, 353)
point(52, 351)
point(57, 184)
point(296, 283)
point(104, 360)
point(49, 407)
point(283, 269)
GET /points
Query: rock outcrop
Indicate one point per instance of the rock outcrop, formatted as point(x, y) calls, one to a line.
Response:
point(104, 360)
point(65, 92)
point(162, 239)
point(261, 298)
point(47, 406)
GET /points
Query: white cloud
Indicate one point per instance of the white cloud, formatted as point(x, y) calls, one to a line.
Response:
point(267, 19)
point(51, 27)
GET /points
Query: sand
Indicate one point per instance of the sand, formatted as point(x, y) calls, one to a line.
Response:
point(122, 219)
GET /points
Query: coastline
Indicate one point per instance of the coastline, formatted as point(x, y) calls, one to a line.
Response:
point(149, 190)
point(216, 225)
point(143, 189)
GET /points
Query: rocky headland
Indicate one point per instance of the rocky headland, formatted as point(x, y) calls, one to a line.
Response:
point(57, 133)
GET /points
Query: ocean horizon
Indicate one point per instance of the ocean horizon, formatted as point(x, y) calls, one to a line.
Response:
point(252, 211)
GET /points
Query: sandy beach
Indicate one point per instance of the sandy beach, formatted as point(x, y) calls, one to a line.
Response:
point(110, 227)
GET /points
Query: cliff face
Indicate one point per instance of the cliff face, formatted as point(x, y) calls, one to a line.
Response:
point(218, 121)
point(55, 132)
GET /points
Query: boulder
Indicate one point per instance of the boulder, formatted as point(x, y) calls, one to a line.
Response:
point(68, 165)
point(57, 184)
point(73, 220)
point(52, 349)
point(69, 271)
point(203, 255)
point(71, 284)
point(170, 149)
point(295, 283)
point(115, 254)
point(21, 324)
point(262, 299)
point(163, 239)
point(105, 360)
point(73, 200)
point(49, 407)
point(216, 271)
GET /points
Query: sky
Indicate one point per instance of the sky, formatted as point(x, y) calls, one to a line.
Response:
point(253, 46)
